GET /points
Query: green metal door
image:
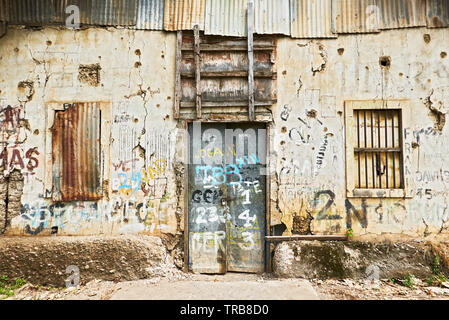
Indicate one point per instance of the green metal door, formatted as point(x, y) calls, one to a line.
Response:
point(227, 207)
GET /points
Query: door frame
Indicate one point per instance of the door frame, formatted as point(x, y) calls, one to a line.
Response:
point(267, 259)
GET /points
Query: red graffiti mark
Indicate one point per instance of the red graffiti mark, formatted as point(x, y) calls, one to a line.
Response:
point(13, 157)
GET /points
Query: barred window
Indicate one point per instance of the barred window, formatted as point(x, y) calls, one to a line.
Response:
point(375, 149)
point(378, 149)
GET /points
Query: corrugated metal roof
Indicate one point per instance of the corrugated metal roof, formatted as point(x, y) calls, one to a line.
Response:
point(437, 13)
point(113, 12)
point(355, 16)
point(31, 12)
point(311, 19)
point(183, 14)
point(395, 14)
point(226, 17)
point(150, 14)
point(85, 7)
point(4, 10)
point(272, 17)
point(76, 153)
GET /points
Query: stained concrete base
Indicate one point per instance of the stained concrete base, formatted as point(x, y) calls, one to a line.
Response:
point(51, 261)
point(354, 259)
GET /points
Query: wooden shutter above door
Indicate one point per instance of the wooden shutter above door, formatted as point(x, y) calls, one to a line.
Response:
point(212, 77)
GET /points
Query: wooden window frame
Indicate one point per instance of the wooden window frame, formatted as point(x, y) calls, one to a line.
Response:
point(350, 138)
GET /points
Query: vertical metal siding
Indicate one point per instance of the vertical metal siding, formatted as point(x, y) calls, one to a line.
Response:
point(76, 153)
point(4, 10)
point(113, 12)
point(31, 12)
point(397, 14)
point(437, 13)
point(226, 17)
point(183, 14)
point(85, 7)
point(150, 15)
point(272, 17)
point(311, 19)
point(355, 16)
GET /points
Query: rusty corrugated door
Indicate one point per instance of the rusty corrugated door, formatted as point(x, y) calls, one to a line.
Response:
point(227, 204)
point(76, 153)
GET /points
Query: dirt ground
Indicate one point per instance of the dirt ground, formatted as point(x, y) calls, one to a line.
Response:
point(236, 286)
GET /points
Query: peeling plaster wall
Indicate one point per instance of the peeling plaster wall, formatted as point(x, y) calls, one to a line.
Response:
point(308, 162)
point(133, 72)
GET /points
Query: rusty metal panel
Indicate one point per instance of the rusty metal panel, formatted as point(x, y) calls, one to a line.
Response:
point(396, 14)
point(226, 17)
point(76, 153)
point(183, 14)
point(437, 13)
point(272, 17)
point(31, 12)
point(150, 15)
point(355, 16)
point(311, 19)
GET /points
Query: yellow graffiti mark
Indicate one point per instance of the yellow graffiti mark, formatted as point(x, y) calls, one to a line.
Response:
point(212, 153)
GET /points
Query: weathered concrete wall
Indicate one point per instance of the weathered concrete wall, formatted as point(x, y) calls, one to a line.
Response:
point(77, 260)
point(314, 80)
point(354, 259)
point(133, 73)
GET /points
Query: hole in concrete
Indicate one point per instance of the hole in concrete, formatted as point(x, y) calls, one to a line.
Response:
point(312, 113)
point(54, 230)
point(279, 229)
point(341, 51)
point(36, 132)
point(385, 62)
point(137, 52)
point(426, 38)
point(137, 64)
point(284, 129)
point(282, 143)
point(443, 55)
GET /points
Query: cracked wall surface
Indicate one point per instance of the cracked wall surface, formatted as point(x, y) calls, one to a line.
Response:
point(308, 180)
point(143, 168)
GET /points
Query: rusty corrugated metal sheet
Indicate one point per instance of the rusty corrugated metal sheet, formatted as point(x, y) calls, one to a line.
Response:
point(437, 13)
point(226, 17)
point(311, 19)
point(355, 16)
point(31, 12)
point(395, 14)
point(76, 153)
point(183, 14)
point(150, 15)
point(272, 17)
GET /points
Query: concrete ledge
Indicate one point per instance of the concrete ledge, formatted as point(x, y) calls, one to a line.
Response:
point(44, 260)
point(352, 259)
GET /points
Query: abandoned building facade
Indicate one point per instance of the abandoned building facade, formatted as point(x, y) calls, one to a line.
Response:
point(214, 124)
